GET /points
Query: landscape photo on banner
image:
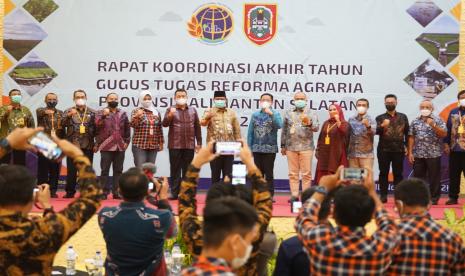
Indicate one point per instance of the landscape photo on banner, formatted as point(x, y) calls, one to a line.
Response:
point(359, 49)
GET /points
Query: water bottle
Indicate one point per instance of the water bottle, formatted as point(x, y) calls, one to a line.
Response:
point(99, 262)
point(71, 261)
point(168, 261)
point(177, 257)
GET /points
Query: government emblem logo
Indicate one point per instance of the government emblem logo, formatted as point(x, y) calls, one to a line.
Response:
point(260, 22)
point(211, 24)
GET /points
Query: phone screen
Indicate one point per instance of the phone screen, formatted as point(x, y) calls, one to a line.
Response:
point(296, 205)
point(239, 174)
point(45, 145)
point(353, 174)
point(228, 148)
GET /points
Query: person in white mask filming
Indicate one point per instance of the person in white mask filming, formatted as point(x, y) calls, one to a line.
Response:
point(230, 225)
point(362, 132)
point(184, 137)
point(425, 148)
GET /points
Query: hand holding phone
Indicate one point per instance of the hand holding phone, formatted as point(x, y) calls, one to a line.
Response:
point(353, 174)
point(239, 173)
point(227, 148)
point(46, 146)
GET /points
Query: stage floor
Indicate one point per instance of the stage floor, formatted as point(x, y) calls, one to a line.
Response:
point(281, 208)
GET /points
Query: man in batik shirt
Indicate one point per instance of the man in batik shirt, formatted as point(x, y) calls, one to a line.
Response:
point(13, 116)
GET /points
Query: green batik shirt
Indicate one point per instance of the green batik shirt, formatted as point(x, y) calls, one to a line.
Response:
point(191, 226)
point(18, 117)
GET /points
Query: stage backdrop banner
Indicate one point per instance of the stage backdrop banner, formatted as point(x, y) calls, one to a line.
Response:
point(334, 51)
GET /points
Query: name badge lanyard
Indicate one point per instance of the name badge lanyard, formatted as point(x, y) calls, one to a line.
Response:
point(461, 129)
point(328, 129)
point(151, 124)
point(82, 127)
point(52, 132)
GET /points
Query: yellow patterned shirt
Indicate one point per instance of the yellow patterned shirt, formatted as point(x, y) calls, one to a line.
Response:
point(191, 226)
point(17, 117)
point(223, 126)
point(28, 246)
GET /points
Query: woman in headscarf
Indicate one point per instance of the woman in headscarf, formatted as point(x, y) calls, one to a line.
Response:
point(148, 132)
point(332, 143)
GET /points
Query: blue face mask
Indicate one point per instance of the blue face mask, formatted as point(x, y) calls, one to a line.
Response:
point(220, 103)
point(300, 104)
point(16, 99)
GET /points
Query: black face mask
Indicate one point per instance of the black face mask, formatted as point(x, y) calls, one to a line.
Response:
point(51, 104)
point(112, 104)
point(390, 107)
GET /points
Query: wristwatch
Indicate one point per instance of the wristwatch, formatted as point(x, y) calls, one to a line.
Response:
point(5, 145)
point(321, 190)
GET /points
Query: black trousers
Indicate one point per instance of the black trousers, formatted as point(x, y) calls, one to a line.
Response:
point(48, 171)
point(72, 172)
point(456, 168)
point(221, 167)
point(385, 159)
point(19, 158)
point(429, 169)
point(179, 161)
point(265, 163)
point(109, 158)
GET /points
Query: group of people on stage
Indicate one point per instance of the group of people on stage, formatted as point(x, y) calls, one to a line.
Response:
point(340, 141)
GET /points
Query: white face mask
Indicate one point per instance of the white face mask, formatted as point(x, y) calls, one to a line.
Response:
point(265, 104)
point(146, 103)
point(181, 101)
point(238, 262)
point(425, 112)
point(80, 102)
point(462, 102)
point(361, 109)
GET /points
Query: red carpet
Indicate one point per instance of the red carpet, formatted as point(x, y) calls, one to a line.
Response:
point(280, 208)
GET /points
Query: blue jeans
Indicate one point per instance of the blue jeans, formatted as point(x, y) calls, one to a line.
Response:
point(142, 156)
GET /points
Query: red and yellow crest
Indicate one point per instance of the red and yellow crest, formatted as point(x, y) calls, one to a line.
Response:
point(260, 22)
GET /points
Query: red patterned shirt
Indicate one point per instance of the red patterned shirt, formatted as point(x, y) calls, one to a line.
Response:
point(427, 248)
point(344, 250)
point(148, 131)
point(208, 267)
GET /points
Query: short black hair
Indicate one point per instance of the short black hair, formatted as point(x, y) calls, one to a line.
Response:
point(267, 94)
point(413, 192)
point(325, 207)
point(16, 185)
point(179, 91)
point(353, 206)
point(363, 100)
point(13, 90)
point(226, 216)
point(77, 91)
point(111, 93)
point(390, 96)
point(224, 189)
point(49, 93)
point(460, 94)
point(133, 185)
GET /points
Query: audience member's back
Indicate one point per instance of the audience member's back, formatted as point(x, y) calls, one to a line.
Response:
point(426, 247)
point(134, 233)
point(292, 257)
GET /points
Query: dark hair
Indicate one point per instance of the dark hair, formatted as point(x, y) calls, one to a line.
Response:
point(222, 189)
point(49, 93)
point(363, 100)
point(111, 93)
point(133, 185)
point(179, 91)
point(267, 94)
point(412, 192)
point(390, 96)
point(325, 207)
point(353, 206)
point(226, 216)
point(16, 185)
point(460, 94)
point(77, 91)
point(13, 90)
